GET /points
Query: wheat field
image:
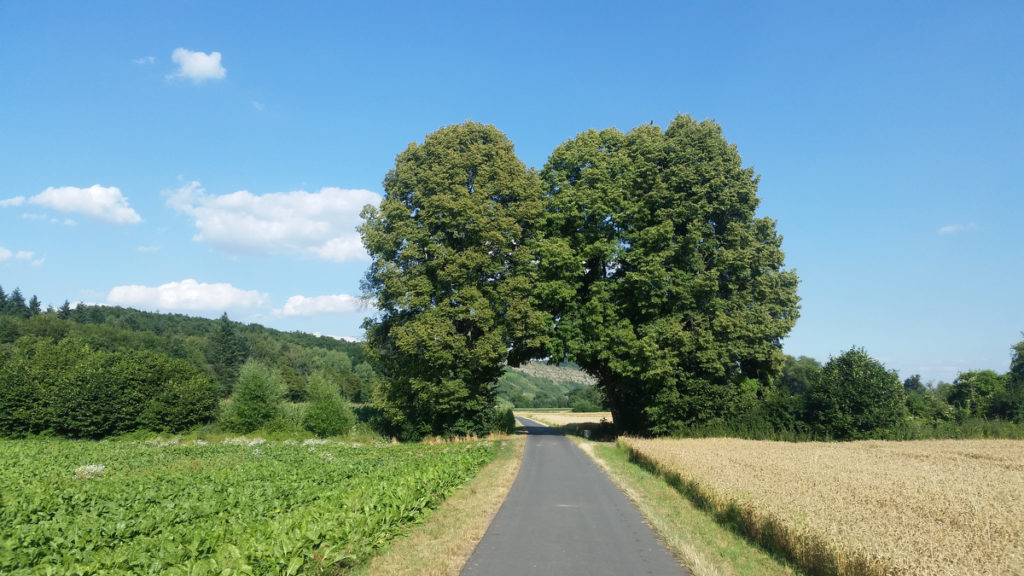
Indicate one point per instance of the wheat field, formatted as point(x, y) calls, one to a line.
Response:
point(925, 507)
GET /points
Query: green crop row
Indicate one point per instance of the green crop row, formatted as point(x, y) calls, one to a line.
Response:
point(111, 507)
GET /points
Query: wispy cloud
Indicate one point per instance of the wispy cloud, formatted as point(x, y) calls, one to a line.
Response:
point(105, 204)
point(257, 105)
point(957, 228)
point(318, 224)
point(25, 255)
point(187, 295)
point(316, 305)
point(145, 60)
point(16, 201)
point(148, 249)
point(197, 66)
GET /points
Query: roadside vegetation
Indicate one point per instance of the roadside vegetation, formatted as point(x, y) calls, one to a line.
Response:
point(702, 544)
point(442, 545)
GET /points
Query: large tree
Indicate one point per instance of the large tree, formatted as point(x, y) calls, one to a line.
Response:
point(664, 283)
point(451, 274)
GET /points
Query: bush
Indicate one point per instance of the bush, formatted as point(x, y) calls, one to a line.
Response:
point(855, 397)
point(327, 414)
point(258, 399)
point(504, 421)
point(70, 389)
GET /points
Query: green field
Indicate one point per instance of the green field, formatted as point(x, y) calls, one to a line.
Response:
point(238, 507)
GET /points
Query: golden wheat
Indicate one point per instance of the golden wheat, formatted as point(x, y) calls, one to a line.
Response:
point(928, 507)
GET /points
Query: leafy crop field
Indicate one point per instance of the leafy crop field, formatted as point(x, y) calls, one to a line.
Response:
point(241, 507)
point(926, 507)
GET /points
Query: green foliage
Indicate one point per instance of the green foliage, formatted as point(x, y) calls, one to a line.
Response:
point(69, 389)
point(1010, 404)
point(261, 508)
point(586, 399)
point(452, 272)
point(326, 413)
point(523, 390)
point(974, 392)
point(258, 399)
point(504, 421)
point(666, 286)
point(226, 354)
point(855, 397)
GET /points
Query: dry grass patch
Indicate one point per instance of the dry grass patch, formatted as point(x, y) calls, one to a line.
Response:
point(443, 544)
point(559, 419)
point(927, 507)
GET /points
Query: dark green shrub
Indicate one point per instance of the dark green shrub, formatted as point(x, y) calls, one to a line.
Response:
point(258, 398)
point(855, 397)
point(975, 392)
point(504, 421)
point(327, 414)
point(71, 389)
point(182, 403)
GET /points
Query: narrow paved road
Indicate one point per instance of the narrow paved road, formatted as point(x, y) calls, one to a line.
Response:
point(565, 517)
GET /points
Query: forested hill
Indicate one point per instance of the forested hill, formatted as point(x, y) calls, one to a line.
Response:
point(163, 324)
point(217, 348)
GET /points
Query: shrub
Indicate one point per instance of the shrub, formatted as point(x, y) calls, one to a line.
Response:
point(855, 397)
point(70, 389)
point(327, 414)
point(258, 398)
point(504, 421)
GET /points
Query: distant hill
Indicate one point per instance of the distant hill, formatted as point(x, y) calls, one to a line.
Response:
point(563, 373)
point(537, 385)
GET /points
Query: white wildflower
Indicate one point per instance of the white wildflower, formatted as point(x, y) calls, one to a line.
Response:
point(89, 471)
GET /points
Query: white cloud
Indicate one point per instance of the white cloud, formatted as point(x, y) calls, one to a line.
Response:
point(106, 204)
point(148, 249)
point(187, 295)
point(145, 60)
point(315, 305)
point(197, 66)
point(30, 257)
point(16, 201)
point(257, 105)
point(321, 224)
point(955, 228)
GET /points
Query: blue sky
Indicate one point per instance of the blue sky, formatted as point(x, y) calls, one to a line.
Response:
point(202, 157)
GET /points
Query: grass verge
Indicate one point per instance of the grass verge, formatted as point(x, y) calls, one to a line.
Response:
point(444, 542)
point(698, 541)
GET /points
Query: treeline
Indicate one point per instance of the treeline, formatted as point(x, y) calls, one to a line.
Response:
point(853, 397)
point(93, 371)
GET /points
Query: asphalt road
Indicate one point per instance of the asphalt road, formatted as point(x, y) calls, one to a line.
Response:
point(565, 517)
